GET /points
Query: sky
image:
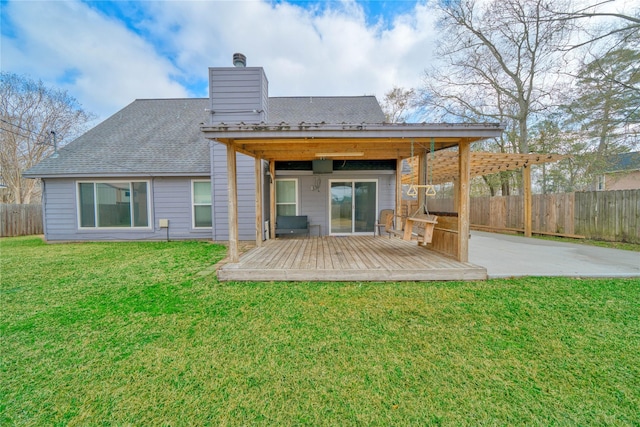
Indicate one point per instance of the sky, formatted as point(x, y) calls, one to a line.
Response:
point(107, 54)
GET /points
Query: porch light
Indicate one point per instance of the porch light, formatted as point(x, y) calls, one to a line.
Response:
point(350, 154)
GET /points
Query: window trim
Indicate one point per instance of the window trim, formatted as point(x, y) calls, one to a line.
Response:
point(193, 205)
point(297, 202)
point(149, 225)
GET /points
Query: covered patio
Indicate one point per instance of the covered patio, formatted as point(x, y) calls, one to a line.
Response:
point(352, 257)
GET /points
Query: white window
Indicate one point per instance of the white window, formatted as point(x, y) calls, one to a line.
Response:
point(201, 201)
point(286, 197)
point(113, 204)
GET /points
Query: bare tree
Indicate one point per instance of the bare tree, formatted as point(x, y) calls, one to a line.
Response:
point(398, 104)
point(29, 113)
point(624, 29)
point(501, 61)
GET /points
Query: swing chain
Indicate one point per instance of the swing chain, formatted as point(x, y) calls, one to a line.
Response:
point(412, 191)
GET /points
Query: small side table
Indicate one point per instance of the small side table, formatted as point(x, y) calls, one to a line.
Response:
point(319, 229)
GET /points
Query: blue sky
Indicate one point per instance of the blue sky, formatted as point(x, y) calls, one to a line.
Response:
point(106, 54)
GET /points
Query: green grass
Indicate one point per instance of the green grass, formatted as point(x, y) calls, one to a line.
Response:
point(131, 334)
point(601, 243)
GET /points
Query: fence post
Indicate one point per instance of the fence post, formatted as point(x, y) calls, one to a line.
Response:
point(20, 220)
point(526, 183)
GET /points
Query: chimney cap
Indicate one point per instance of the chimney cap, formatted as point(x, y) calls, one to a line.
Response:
point(239, 60)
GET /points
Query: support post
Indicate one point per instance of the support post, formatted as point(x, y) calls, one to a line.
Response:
point(526, 183)
point(456, 194)
point(259, 222)
point(422, 174)
point(398, 209)
point(464, 157)
point(232, 190)
point(272, 197)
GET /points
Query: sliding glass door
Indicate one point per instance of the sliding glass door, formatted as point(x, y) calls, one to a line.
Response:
point(353, 206)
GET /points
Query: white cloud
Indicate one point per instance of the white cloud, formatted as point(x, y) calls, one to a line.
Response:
point(328, 51)
point(304, 52)
point(101, 63)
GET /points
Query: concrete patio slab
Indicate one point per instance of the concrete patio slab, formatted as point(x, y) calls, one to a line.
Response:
point(516, 256)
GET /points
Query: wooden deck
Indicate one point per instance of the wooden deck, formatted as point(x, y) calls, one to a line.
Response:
point(353, 258)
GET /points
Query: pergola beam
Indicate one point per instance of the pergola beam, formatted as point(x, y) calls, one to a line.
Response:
point(445, 164)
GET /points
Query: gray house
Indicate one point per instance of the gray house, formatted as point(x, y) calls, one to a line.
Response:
point(223, 168)
point(151, 162)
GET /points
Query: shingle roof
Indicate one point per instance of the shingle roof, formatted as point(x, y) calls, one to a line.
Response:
point(147, 137)
point(313, 109)
point(623, 162)
point(162, 136)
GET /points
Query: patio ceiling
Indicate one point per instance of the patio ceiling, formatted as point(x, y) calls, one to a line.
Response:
point(308, 141)
point(445, 164)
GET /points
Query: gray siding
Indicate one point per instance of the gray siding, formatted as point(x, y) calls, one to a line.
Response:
point(236, 92)
point(59, 205)
point(246, 183)
point(315, 204)
point(170, 199)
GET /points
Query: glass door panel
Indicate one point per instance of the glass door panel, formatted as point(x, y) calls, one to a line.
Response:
point(341, 207)
point(353, 206)
point(365, 207)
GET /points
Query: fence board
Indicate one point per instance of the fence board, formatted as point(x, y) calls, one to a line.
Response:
point(609, 215)
point(600, 215)
point(20, 220)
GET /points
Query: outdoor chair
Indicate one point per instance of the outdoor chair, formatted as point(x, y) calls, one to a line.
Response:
point(382, 220)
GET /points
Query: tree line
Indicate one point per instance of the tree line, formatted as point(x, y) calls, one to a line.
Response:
point(563, 77)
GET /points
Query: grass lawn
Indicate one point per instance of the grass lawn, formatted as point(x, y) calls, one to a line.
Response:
point(603, 244)
point(130, 333)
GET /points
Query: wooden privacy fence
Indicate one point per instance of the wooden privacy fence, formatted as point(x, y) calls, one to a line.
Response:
point(20, 220)
point(609, 215)
point(599, 215)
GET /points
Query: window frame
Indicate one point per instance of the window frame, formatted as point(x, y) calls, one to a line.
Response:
point(149, 225)
point(193, 205)
point(353, 182)
point(297, 201)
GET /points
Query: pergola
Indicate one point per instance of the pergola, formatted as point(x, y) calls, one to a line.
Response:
point(308, 141)
point(444, 168)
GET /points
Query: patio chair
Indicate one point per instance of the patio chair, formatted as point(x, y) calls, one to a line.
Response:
point(382, 220)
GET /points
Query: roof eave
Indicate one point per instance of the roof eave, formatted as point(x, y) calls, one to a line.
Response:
point(345, 130)
point(114, 175)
